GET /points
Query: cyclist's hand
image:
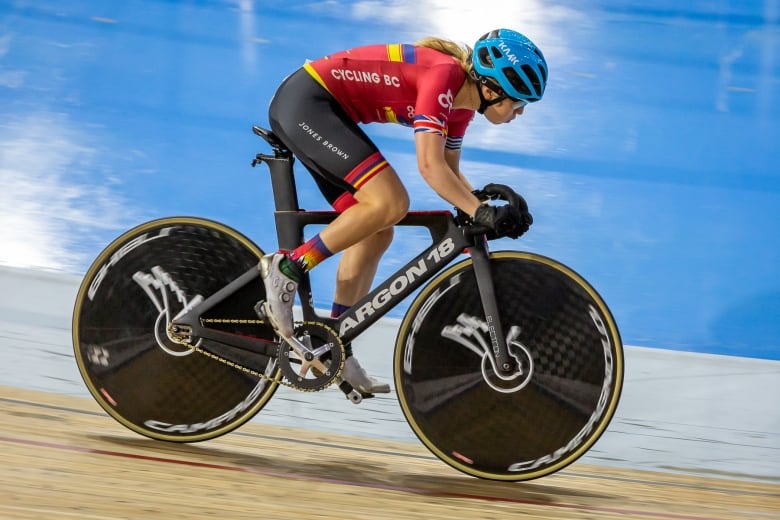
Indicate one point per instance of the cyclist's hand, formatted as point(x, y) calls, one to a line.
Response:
point(505, 220)
point(483, 196)
point(500, 220)
point(526, 219)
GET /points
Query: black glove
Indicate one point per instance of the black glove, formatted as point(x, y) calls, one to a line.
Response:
point(503, 220)
point(483, 196)
point(526, 219)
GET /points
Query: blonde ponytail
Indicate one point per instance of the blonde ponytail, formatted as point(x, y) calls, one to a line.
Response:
point(461, 53)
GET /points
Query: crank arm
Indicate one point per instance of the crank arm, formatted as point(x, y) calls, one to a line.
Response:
point(352, 394)
point(305, 354)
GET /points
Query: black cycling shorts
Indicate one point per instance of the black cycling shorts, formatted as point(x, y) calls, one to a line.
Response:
point(338, 153)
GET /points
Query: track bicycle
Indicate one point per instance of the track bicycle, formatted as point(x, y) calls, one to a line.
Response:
point(507, 365)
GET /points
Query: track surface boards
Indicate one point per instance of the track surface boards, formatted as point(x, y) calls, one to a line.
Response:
point(63, 457)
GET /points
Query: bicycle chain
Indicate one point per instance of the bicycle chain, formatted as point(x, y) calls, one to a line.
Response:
point(233, 321)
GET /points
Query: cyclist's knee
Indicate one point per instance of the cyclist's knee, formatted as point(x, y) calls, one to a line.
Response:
point(398, 207)
point(388, 199)
point(396, 202)
point(386, 213)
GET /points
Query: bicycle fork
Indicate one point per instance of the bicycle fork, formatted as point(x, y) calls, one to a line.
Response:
point(480, 257)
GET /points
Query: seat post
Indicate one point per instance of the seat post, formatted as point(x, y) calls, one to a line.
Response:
point(289, 228)
point(280, 164)
point(283, 182)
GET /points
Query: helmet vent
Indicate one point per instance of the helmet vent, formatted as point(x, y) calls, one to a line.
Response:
point(517, 82)
point(543, 72)
point(484, 58)
point(534, 78)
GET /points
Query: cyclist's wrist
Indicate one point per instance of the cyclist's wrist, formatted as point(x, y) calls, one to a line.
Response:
point(473, 208)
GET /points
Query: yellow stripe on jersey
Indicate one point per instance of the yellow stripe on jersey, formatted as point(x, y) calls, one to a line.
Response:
point(401, 52)
point(314, 74)
point(395, 52)
point(390, 115)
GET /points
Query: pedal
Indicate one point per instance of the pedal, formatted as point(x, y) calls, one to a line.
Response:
point(352, 394)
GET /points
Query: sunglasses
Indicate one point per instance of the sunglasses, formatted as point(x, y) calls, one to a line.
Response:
point(517, 104)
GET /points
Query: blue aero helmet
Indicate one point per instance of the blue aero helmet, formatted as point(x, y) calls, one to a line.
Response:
point(512, 63)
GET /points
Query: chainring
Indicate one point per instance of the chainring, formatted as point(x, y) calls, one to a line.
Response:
point(326, 362)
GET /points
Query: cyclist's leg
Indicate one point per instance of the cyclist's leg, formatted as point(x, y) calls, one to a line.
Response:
point(348, 168)
point(350, 171)
point(365, 189)
point(381, 203)
point(355, 275)
point(358, 266)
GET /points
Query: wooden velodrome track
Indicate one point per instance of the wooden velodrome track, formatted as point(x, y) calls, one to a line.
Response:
point(63, 457)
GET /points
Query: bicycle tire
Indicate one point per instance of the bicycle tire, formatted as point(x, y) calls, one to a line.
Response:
point(151, 385)
point(548, 416)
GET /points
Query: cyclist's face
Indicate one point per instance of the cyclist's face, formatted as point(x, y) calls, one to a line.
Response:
point(503, 112)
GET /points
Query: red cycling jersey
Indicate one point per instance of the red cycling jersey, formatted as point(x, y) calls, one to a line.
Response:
point(397, 83)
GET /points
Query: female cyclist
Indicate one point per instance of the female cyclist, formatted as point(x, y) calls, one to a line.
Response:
point(433, 86)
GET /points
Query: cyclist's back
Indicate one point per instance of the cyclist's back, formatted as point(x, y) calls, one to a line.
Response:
point(393, 83)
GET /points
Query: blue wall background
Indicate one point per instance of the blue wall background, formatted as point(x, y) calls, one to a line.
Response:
point(651, 166)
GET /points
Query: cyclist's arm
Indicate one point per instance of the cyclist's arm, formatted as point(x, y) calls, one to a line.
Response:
point(436, 169)
point(453, 160)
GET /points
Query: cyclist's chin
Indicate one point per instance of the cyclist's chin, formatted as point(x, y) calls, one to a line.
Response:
point(499, 120)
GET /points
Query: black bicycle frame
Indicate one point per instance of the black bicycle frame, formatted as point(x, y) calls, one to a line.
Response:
point(449, 241)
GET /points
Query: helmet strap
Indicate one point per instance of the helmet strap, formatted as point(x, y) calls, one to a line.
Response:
point(485, 103)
